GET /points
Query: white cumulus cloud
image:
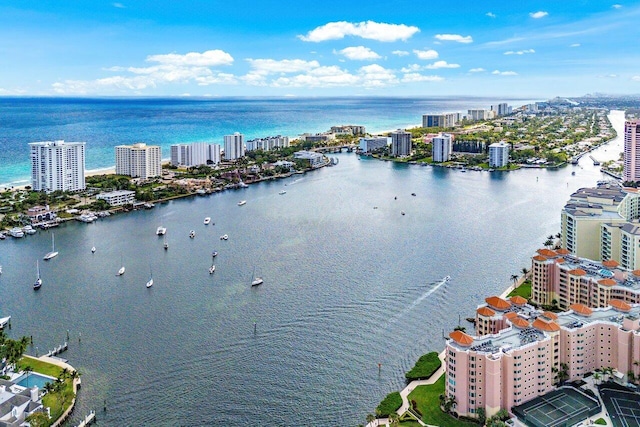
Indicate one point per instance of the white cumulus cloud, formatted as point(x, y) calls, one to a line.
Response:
point(477, 70)
point(426, 54)
point(400, 52)
point(490, 14)
point(454, 38)
point(441, 64)
point(519, 52)
point(210, 58)
point(616, 6)
point(539, 14)
point(119, 5)
point(367, 30)
point(574, 45)
point(635, 78)
point(359, 53)
point(504, 73)
point(417, 77)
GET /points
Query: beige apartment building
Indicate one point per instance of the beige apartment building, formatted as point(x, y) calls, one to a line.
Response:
point(139, 160)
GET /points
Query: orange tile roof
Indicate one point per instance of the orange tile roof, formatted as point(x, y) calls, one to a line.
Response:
point(581, 309)
point(518, 300)
point(519, 322)
point(550, 315)
point(461, 338)
point(511, 315)
point(619, 305)
point(498, 303)
point(540, 258)
point(607, 282)
point(486, 312)
point(611, 263)
point(550, 326)
point(577, 272)
point(560, 260)
point(547, 252)
point(636, 273)
point(563, 251)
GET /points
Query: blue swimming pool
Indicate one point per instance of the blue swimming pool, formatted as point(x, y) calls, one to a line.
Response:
point(34, 379)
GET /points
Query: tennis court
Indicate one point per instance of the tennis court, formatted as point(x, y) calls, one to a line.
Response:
point(623, 406)
point(559, 408)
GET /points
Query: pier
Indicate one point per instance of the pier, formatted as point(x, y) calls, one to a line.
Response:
point(595, 161)
point(58, 350)
point(88, 420)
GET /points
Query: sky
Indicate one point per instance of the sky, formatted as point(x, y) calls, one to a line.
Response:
point(214, 48)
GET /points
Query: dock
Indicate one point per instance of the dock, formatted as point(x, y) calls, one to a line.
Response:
point(4, 321)
point(58, 350)
point(89, 419)
point(594, 160)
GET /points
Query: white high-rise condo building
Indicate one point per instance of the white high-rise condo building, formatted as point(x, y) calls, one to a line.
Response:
point(233, 146)
point(198, 153)
point(369, 144)
point(440, 120)
point(632, 150)
point(498, 154)
point(441, 147)
point(57, 165)
point(400, 143)
point(139, 160)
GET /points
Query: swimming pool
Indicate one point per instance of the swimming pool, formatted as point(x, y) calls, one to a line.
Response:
point(34, 379)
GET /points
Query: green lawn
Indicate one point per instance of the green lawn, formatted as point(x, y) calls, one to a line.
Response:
point(40, 366)
point(428, 402)
point(390, 404)
point(523, 290)
point(425, 367)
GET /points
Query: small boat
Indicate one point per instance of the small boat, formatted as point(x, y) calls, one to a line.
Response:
point(257, 281)
point(29, 229)
point(0, 269)
point(2, 236)
point(402, 212)
point(53, 252)
point(212, 268)
point(150, 282)
point(207, 220)
point(463, 170)
point(93, 249)
point(573, 173)
point(413, 194)
point(160, 231)
point(121, 271)
point(242, 202)
point(16, 232)
point(192, 234)
point(446, 278)
point(166, 245)
point(214, 254)
point(282, 192)
point(224, 237)
point(38, 283)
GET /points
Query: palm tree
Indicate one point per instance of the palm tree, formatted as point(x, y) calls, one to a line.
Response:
point(27, 370)
point(394, 419)
point(514, 278)
point(597, 376)
point(524, 272)
point(548, 243)
point(370, 418)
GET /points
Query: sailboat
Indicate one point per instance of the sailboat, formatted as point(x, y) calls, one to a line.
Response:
point(53, 252)
point(166, 245)
point(38, 282)
point(121, 271)
point(93, 249)
point(256, 280)
point(150, 282)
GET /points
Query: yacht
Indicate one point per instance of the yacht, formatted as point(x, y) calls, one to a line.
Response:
point(0, 269)
point(212, 268)
point(207, 220)
point(29, 229)
point(2, 236)
point(160, 231)
point(16, 232)
point(214, 254)
point(446, 278)
point(242, 202)
point(192, 234)
point(282, 192)
point(150, 282)
point(224, 237)
point(93, 249)
point(121, 271)
point(402, 212)
point(53, 252)
point(257, 281)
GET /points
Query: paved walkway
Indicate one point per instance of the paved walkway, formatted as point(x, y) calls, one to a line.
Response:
point(408, 389)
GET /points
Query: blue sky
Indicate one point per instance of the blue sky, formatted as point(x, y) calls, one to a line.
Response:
point(532, 49)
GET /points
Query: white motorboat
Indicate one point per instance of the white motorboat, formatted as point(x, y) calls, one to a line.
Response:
point(166, 245)
point(150, 282)
point(29, 229)
point(224, 237)
point(16, 232)
point(192, 234)
point(93, 249)
point(121, 271)
point(207, 220)
point(38, 283)
point(0, 269)
point(53, 252)
point(212, 268)
point(160, 231)
point(242, 202)
point(282, 192)
point(446, 278)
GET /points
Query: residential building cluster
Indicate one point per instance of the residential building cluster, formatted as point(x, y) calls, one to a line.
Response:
point(195, 154)
point(139, 160)
point(268, 143)
point(57, 166)
point(369, 144)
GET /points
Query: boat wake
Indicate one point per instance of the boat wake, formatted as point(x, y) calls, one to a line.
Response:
point(419, 299)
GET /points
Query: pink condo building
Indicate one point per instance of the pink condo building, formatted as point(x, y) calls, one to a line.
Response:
point(518, 351)
point(566, 279)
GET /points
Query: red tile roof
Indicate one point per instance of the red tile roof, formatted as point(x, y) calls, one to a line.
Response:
point(550, 315)
point(511, 315)
point(540, 258)
point(486, 312)
point(498, 303)
point(636, 273)
point(547, 252)
point(461, 338)
point(607, 282)
point(560, 260)
point(550, 326)
point(610, 263)
point(518, 300)
point(519, 322)
point(619, 305)
point(577, 272)
point(562, 251)
point(581, 309)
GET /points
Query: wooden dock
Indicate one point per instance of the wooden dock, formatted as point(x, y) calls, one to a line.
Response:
point(58, 350)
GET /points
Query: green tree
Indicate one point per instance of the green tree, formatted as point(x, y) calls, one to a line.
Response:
point(38, 419)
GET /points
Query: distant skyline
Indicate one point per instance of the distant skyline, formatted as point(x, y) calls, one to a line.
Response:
point(533, 49)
